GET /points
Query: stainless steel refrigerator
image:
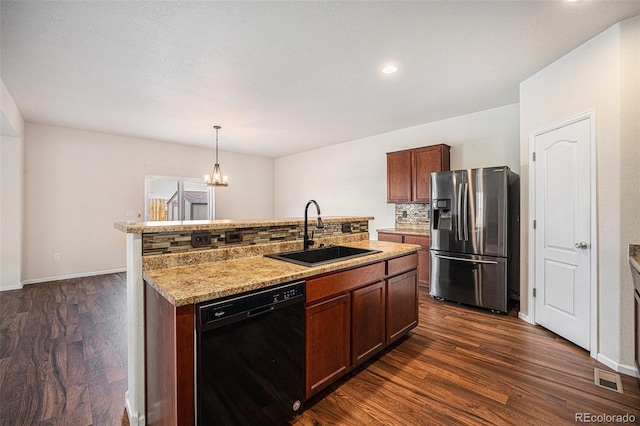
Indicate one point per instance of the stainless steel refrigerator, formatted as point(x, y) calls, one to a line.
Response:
point(475, 237)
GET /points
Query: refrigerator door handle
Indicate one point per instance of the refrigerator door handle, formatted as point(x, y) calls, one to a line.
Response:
point(492, 262)
point(466, 214)
point(459, 216)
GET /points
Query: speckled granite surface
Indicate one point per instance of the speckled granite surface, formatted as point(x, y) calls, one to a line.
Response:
point(407, 230)
point(184, 285)
point(204, 225)
point(634, 256)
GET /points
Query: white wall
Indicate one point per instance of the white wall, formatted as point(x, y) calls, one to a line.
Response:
point(78, 183)
point(11, 212)
point(589, 77)
point(629, 174)
point(11, 205)
point(350, 178)
point(250, 191)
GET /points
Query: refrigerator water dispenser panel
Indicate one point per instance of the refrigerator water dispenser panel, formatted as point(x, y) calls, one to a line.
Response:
point(442, 215)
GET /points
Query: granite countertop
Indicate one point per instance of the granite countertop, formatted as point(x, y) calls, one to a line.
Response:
point(204, 225)
point(634, 256)
point(185, 285)
point(407, 230)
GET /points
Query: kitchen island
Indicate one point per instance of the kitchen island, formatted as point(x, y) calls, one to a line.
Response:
point(165, 279)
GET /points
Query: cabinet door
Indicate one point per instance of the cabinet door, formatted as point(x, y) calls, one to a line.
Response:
point(399, 177)
point(423, 257)
point(425, 161)
point(423, 267)
point(327, 342)
point(392, 238)
point(368, 322)
point(402, 305)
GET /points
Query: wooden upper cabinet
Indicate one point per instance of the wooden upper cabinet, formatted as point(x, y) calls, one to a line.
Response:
point(399, 177)
point(427, 160)
point(408, 172)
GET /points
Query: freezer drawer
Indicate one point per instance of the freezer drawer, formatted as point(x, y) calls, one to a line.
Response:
point(470, 279)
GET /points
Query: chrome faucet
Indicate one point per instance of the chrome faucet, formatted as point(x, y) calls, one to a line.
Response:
point(309, 241)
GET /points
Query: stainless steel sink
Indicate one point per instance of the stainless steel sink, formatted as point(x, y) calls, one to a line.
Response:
point(322, 255)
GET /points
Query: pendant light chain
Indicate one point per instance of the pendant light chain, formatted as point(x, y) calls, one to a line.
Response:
point(217, 128)
point(216, 178)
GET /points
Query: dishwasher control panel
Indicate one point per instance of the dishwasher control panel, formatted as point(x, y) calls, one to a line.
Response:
point(250, 304)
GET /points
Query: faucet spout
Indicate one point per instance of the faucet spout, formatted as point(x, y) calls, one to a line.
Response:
point(307, 242)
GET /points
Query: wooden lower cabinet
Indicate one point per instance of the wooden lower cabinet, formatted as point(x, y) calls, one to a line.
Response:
point(423, 256)
point(402, 305)
point(368, 321)
point(423, 253)
point(327, 341)
point(352, 315)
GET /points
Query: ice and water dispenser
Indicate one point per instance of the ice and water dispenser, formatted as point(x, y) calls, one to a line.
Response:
point(441, 214)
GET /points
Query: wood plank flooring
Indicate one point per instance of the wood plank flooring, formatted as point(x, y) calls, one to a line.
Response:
point(63, 361)
point(463, 365)
point(63, 354)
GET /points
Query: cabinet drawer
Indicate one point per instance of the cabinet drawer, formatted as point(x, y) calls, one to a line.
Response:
point(399, 265)
point(422, 240)
point(329, 285)
point(392, 238)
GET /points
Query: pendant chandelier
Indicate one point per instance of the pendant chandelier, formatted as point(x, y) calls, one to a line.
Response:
point(216, 178)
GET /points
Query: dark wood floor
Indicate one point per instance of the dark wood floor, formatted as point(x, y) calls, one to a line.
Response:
point(63, 353)
point(63, 361)
point(463, 365)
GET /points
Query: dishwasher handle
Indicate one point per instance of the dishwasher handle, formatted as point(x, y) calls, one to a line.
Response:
point(261, 310)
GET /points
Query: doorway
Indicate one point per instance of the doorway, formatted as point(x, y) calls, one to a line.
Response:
point(562, 246)
point(178, 198)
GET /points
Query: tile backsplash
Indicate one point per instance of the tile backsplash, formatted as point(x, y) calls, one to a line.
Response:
point(412, 214)
point(180, 242)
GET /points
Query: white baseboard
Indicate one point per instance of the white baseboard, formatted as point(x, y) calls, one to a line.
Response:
point(12, 287)
point(524, 317)
point(629, 370)
point(134, 417)
point(69, 276)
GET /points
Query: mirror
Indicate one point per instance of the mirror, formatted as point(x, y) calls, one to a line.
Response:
point(177, 198)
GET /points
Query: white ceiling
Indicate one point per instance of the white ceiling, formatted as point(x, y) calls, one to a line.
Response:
point(279, 77)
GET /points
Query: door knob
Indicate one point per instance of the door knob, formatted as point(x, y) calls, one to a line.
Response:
point(582, 245)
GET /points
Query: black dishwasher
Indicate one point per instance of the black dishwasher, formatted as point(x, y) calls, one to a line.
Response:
point(250, 357)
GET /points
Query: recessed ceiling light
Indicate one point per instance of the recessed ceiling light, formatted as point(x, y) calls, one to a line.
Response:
point(389, 69)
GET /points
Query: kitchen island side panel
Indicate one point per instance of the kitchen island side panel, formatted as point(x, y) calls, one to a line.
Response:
point(169, 361)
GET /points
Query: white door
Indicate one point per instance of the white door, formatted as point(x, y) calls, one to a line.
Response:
point(562, 212)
